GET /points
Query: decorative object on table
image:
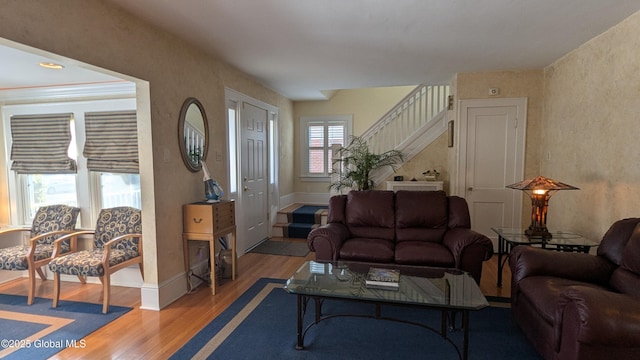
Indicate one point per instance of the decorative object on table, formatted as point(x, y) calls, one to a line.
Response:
point(212, 190)
point(357, 163)
point(540, 189)
point(383, 278)
point(431, 175)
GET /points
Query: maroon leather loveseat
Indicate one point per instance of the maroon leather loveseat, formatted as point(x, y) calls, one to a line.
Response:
point(412, 228)
point(581, 306)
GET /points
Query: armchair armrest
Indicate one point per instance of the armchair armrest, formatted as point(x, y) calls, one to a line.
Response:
point(469, 249)
point(529, 261)
point(34, 241)
point(73, 243)
point(327, 240)
point(12, 230)
point(597, 316)
point(115, 241)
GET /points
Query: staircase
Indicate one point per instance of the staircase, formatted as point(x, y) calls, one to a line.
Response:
point(415, 122)
point(296, 221)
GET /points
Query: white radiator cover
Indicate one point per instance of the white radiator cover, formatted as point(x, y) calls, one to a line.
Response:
point(414, 185)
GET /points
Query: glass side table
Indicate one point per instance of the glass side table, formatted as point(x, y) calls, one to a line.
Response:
point(508, 238)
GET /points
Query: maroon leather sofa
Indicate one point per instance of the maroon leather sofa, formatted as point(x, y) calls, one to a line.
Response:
point(412, 228)
point(581, 306)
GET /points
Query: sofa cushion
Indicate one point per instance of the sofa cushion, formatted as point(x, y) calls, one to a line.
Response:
point(543, 293)
point(423, 252)
point(421, 215)
point(370, 214)
point(367, 250)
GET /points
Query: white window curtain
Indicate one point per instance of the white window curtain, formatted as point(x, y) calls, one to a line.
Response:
point(40, 143)
point(111, 143)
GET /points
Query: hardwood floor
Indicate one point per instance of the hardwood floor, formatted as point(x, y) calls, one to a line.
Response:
point(158, 334)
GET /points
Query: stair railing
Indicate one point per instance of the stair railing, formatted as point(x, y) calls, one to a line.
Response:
point(409, 126)
point(413, 112)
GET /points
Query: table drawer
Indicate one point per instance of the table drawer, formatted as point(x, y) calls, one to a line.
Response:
point(207, 218)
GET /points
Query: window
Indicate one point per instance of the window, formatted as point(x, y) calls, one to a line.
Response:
point(233, 164)
point(47, 189)
point(75, 185)
point(319, 133)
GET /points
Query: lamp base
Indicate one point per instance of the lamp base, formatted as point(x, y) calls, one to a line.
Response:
point(539, 232)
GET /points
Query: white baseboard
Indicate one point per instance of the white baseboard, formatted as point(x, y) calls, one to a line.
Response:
point(6, 276)
point(128, 277)
point(155, 297)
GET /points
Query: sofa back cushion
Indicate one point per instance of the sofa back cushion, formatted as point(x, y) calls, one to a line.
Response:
point(370, 214)
point(421, 215)
point(459, 216)
point(626, 278)
point(337, 205)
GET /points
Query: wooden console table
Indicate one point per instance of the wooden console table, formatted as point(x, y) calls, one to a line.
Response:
point(204, 221)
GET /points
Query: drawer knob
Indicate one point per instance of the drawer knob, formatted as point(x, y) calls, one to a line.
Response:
point(198, 221)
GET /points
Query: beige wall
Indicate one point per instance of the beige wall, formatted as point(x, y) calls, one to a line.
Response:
point(365, 105)
point(100, 34)
point(433, 157)
point(590, 131)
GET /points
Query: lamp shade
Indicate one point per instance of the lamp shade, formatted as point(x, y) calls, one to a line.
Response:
point(540, 190)
point(541, 183)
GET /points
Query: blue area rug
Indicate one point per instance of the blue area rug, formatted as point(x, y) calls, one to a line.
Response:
point(39, 331)
point(261, 324)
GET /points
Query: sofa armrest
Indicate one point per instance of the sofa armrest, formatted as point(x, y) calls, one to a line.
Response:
point(327, 240)
point(596, 316)
point(469, 249)
point(529, 261)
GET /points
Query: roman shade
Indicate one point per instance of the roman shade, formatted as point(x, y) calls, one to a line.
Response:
point(111, 143)
point(40, 143)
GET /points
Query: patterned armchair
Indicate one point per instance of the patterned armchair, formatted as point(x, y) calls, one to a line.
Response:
point(49, 224)
point(117, 243)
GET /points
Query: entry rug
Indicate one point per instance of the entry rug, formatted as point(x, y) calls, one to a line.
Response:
point(261, 324)
point(39, 331)
point(282, 247)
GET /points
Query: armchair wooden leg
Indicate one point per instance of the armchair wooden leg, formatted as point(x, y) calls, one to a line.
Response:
point(41, 273)
point(32, 285)
point(83, 280)
point(106, 283)
point(56, 289)
point(141, 265)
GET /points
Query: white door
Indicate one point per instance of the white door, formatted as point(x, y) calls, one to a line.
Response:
point(491, 156)
point(254, 176)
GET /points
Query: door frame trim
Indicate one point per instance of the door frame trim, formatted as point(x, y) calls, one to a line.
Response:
point(273, 192)
point(458, 182)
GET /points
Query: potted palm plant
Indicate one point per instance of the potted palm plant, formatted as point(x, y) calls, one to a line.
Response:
point(357, 163)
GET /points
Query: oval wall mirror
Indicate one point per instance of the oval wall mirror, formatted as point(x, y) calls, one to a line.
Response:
point(193, 134)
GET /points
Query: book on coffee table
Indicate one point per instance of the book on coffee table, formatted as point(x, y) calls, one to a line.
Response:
point(383, 278)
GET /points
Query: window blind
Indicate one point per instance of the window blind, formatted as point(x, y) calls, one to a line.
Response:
point(111, 143)
point(40, 143)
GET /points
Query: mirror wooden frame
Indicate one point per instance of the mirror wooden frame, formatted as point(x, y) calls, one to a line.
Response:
point(193, 166)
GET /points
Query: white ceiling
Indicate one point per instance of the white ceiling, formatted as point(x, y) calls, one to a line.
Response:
point(303, 47)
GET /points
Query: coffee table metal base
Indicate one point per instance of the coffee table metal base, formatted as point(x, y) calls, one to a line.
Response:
point(447, 321)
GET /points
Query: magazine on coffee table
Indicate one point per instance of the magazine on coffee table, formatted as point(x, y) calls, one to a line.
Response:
point(383, 278)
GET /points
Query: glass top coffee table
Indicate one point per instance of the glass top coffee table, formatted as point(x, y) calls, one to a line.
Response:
point(508, 238)
point(448, 290)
